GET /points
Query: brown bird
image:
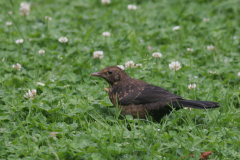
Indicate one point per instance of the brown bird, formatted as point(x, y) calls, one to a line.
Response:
point(139, 99)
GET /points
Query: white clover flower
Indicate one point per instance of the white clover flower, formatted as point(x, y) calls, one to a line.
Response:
point(34, 92)
point(175, 66)
point(192, 86)
point(106, 1)
point(30, 93)
point(121, 66)
point(40, 83)
point(139, 65)
point(10, 12)
point(19, 41)
point(48, 18)
point(210, 48)
point(24, 8)
point(206, 19)
point(238, 74)
point(176, 28)
point(63, 39)
point(98, 54)
point(106, 34)
point(17, 66)
point(157, 55)
point(129, 64)
point(8, 23)
point(132, 7)
point(41, 51)
point(189, 49)
point(213, 72)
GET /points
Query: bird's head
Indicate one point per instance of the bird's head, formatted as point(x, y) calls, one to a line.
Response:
point(112, 74)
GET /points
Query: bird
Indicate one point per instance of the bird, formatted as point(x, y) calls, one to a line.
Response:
point(141, 99)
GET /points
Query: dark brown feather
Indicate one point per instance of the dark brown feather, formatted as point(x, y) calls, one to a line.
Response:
point(138, 98)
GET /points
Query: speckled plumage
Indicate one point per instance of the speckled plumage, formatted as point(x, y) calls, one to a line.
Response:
point(139, 99)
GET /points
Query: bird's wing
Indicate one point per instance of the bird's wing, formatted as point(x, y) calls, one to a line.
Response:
point(142, 94)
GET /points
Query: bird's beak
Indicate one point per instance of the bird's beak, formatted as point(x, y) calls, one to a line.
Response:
point(96, 74)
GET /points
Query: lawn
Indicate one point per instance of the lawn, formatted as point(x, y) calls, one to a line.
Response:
point(50, 108)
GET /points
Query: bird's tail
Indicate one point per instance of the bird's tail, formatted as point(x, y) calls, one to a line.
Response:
point(195, 104)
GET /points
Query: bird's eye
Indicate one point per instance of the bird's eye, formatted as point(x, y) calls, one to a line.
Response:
point(109, 72)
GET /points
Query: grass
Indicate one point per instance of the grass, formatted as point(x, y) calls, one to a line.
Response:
point(77, 106)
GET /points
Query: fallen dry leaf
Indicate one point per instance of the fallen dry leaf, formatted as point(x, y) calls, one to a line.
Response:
point(190, 155)
point(204, 155)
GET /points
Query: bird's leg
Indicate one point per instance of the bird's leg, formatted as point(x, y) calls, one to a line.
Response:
point(106, 89)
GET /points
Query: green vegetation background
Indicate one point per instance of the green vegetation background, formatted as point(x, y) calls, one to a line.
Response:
point(76, 106)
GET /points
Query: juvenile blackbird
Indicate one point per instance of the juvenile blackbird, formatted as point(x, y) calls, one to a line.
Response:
point(139, 99)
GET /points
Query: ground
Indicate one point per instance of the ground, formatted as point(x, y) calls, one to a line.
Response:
point(71, 117)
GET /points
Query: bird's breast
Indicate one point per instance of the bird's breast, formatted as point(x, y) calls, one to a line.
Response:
point(117, 93)
point(112, 95)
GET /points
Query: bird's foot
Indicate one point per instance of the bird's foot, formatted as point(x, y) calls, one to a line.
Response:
point(106, 89)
